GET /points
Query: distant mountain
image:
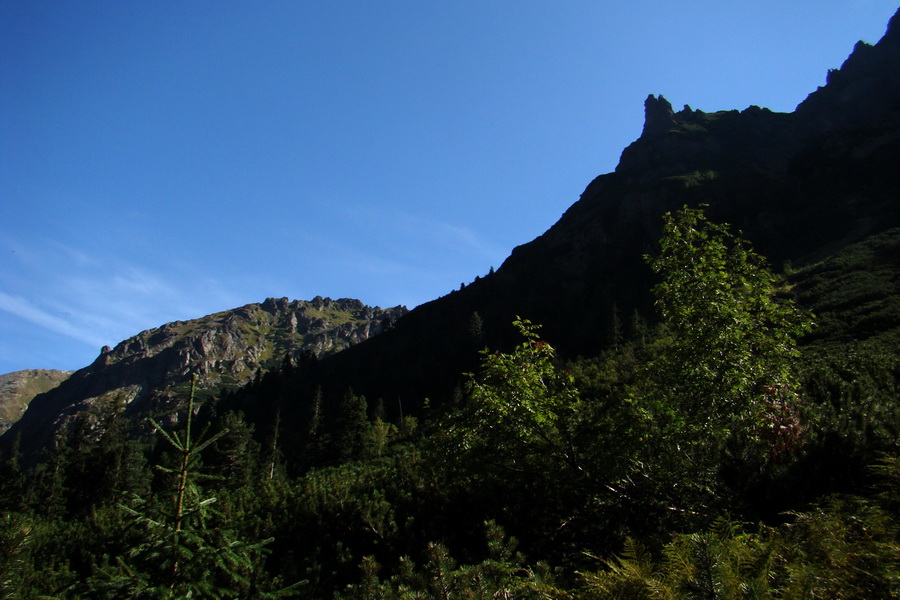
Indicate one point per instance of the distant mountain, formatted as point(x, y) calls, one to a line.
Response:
point(17, 389)
point(147, 373)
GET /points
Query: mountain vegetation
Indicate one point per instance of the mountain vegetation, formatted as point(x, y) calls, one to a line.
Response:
point(686, 388)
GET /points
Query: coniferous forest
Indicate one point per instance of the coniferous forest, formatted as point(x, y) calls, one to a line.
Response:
point(687, 388)
point(738, 447)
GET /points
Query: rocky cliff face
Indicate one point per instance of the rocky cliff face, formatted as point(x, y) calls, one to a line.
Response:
point(229, 347)
point(17, 389)
point(864, 93)
point(673, 143)
point(148, 372)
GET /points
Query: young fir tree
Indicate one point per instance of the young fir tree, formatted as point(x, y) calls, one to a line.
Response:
point(181, 550)
point(15, 533)
point(12, 480)
point(352, 428)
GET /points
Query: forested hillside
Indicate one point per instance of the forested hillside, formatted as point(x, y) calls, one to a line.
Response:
point(686, 388)
point(709, 454)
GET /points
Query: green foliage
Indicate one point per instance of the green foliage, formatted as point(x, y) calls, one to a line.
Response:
point(338, 515)
point(716, 380)
point(177, 548)
point(639, 450)
point(887, 469)
point(502, 574)
point(234, 455)
point(720, 563)
point(846, 548)
point(14, 537)
point(12, 480)
point(855, 293)
point(728, 332)
point(521, 400)
point(851, 416)
point(643, 444)
point(352, 429)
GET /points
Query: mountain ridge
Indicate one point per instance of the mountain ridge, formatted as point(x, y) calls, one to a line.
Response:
point(146, 373)
point(799, 185)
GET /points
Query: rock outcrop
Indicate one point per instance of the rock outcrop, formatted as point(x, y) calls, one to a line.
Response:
point(862, 96)
point(148, 372)
point(864, 93)
point(673, 143)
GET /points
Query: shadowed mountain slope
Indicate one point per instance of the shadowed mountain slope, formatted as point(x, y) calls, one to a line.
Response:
point(799, 185)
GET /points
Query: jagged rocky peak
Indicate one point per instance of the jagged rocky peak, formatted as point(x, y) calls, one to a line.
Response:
point(658, 116)
point(237, 334)
point(862, 93)
point(675, 143)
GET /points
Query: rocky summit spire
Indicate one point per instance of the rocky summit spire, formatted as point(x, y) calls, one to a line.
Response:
point(658, 116)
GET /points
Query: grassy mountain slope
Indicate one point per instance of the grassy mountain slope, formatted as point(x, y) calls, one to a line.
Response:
point(855, 294)
point(17, 389)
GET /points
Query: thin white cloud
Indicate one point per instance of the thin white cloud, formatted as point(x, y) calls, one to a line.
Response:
point(137, 281)
point(467, 238)
point(70, 290)
point(80, 258)
point(23, 309)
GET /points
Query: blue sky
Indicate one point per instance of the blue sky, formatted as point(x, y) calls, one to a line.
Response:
point(164, 160)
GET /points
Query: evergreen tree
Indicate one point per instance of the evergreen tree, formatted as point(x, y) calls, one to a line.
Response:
point(15, 533)
point(273, 450)
point(12, 480)
point(476, 330)
point(180, 550)
point(47, 493)
point(639, 331)
point(352, 428)
point(616, 335)
point(234, 455)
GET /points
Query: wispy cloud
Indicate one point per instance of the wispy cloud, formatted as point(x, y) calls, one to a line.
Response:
point(464, 237)
point(24, 309)
point(98, 299)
